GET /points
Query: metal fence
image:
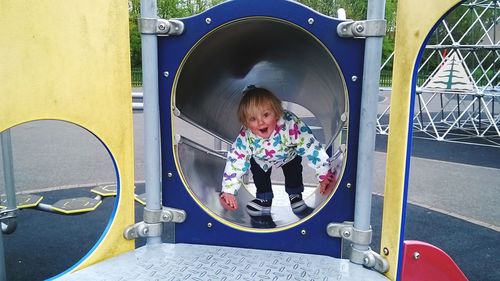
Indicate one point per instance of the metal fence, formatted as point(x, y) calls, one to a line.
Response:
point(136, 77)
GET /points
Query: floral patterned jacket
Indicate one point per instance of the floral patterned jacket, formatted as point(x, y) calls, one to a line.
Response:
point(291, 137)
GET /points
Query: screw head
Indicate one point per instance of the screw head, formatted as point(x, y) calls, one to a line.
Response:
point(303, 232)
point(161, 27)
point(416, 255)
point(360, 28)
point(209, 225)
point(208, 20)
point(349, 185)
point(386, 251)
point(343, 117)
point(354, 78)
point(310, 21)
point(346, 233)
point(166, 73)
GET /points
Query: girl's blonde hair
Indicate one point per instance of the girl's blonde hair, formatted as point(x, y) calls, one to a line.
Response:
point(253, 98)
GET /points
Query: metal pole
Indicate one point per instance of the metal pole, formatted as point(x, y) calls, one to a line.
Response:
point(8, 169)
point(8, 172)
point(151, 114)
point(3, 273)
point(367, 126)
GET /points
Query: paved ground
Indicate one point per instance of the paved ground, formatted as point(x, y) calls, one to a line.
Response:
point(454, 189)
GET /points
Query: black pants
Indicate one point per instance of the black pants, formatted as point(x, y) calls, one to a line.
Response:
point(293, 178)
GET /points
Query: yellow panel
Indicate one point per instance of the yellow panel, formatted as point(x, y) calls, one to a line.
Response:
point(69, 60)
point(414, 22)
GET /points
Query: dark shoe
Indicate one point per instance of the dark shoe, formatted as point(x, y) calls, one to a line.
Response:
point(298, 205)
point(262, 222)
point(259, 207)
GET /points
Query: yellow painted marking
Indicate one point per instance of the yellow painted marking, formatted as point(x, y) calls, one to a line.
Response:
point(77, 211)
point(109, 190)
point(138, 199)
point(23, 199)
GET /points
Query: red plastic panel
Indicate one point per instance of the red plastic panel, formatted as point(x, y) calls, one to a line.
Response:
point(423, 261)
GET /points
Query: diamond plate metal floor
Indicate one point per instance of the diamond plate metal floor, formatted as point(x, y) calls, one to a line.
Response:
point(200, 262)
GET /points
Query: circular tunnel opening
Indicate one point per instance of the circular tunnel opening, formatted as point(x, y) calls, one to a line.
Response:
point(274, 54)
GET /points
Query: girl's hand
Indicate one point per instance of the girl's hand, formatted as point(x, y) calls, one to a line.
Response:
point(328, 180)
point(228, 201)
point(323, 185)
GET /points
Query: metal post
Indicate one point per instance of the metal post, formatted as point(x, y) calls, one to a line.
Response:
point(8, 169)
point(367, 126)
point(151, 114)
point(8, 172)
point(3, 273)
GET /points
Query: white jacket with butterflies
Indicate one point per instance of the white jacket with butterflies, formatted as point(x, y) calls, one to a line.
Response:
point(291, 137)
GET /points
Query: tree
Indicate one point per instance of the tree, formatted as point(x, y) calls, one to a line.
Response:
point(166, 9)
point(355, 10)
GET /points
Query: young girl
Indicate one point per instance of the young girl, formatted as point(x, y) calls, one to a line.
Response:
point(271, 137)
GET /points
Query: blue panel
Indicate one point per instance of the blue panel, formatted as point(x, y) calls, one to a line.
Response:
point(349, 56)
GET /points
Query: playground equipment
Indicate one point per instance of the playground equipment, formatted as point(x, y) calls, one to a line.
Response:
point(67, 205)
point(251, 47)
point(456, 101)
point(226, 48)
point(76, 72)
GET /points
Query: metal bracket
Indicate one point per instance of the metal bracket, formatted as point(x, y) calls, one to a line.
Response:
point(8, 213)
point(142, 229)
point(166, 214)
point(347, 231)
point(161, 26)
point(367, 257)
point(8, 221)
point(366, 28)
point(152, 226)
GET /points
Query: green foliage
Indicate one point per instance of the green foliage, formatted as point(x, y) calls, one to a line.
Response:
point(355, 10)
point(166, 9)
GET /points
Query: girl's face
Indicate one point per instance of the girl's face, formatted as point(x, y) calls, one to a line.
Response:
point(262, 121)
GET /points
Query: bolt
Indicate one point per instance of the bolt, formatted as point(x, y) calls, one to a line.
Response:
point(208, 20)
point(354, 78)
point(166, 74)
point(209, 225)
point(346, 233)
point(310, 20)
point(360, 28)
point(176, 111)
point(366, 261)
point(343, 117)
point(166, 217)
point(303, 232)
point(349, 185)
point(386, 251)
point(162, 27)
point(145, 231)
point(169, 174)
point(416, 255)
